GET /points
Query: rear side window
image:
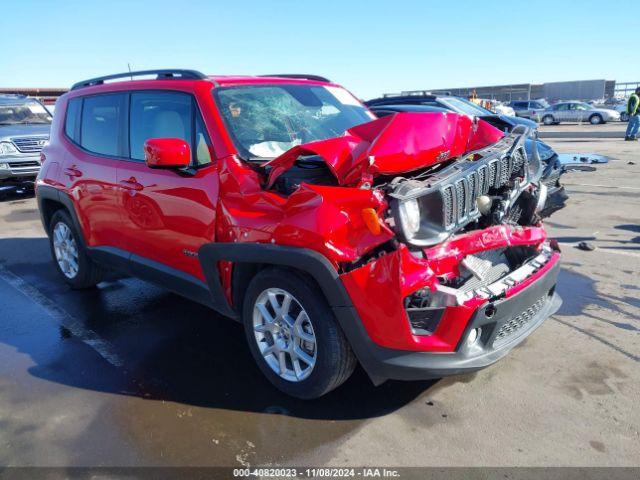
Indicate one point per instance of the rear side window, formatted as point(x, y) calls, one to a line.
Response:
point(102, 124)
point(72, 119)
point(167, 115)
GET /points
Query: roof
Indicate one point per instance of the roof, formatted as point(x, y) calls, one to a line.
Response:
point(408, 108)
point(400, 99)
point(226, 80)
point(194, 75)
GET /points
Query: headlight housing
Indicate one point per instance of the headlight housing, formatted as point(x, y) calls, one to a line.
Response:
point(7, 148)
point(409, 213)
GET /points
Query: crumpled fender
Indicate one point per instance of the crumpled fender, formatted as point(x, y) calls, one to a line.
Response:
point(327, 219)
point(393, 144)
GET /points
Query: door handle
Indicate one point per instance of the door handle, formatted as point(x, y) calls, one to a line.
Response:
point(131, 184)
point(72, 171)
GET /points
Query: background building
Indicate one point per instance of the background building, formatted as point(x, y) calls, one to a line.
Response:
point(575, 90)
point(48, 96)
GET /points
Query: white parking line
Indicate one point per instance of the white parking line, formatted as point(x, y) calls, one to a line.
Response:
point(75, 326)
point(600, 186)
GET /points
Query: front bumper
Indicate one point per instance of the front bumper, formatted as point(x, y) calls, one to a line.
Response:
point(503, 314)
point(19, 168)
point(539, 298)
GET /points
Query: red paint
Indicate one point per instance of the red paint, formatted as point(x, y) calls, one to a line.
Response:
point(165, 216)
point(393, 144)
point(379, 288)
point(167, 153)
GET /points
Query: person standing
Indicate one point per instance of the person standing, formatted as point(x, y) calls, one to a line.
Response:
point(634, 116)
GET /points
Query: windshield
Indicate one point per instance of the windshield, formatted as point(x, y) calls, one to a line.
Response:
point(460, 105)
point(28, 112)
point(267, 120)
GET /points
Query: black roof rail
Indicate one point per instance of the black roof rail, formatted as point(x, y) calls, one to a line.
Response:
point(160, 74)
point(299, 75)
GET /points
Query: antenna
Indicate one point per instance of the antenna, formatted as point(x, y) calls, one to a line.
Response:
point(129, 68)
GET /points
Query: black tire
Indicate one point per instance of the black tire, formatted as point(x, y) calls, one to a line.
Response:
point(596, 119)
point(548, 120)
point(88, 274)
point(335, 361)
point(624, 117)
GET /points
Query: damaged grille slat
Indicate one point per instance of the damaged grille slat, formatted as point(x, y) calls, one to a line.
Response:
point(448, 198)
point(447, 203)
point(459, 199)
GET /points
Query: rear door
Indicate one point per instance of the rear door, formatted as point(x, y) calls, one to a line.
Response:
point(168, 214)
point(94, 133)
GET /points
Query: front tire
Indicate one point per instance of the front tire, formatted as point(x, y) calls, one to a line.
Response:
point(596, 119)
point(69, 254)
point(548, 120)
point(293, 334)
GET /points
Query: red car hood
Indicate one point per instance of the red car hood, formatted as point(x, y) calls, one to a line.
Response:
point(391, 145)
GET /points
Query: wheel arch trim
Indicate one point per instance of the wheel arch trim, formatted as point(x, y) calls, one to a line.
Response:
point(46, 194)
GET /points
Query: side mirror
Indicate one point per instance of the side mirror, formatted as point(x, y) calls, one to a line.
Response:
point(167, 153)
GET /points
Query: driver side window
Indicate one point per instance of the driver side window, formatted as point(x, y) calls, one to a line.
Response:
point(156, 114)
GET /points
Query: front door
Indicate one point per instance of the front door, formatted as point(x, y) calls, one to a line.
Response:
point(168, 215)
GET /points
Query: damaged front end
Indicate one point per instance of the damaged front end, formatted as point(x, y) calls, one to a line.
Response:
point(489, 186)
point(432, 222)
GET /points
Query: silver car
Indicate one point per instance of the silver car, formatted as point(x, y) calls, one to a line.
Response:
point(24, 131)
point(531, 109)
point(578, 112)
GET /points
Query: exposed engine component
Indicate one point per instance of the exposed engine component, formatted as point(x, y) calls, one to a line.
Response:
point(310, 169)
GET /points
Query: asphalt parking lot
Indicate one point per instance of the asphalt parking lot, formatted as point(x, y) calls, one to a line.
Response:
point(130, 375)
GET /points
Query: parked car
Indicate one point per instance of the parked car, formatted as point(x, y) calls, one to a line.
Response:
point(503, 109)
point(24, 131)
point(531, 109)
point(578, 112)
point(459, 105)
point(553, 169)
point(622, 110)
point(334, 237)
point(494, 106)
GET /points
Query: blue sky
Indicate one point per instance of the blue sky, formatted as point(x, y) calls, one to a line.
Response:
point(370, 46)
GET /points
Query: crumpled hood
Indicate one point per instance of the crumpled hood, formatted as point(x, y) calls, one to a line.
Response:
point(392, 145)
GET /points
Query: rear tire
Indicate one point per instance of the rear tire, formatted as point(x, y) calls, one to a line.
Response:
point(69, 253)
point(548, 120)
point(298, 344)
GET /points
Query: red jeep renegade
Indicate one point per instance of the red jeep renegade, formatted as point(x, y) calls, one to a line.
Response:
point(410, 244)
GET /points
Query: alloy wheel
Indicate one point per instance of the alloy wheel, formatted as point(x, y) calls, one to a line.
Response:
point(284, 334)
point(66, 250)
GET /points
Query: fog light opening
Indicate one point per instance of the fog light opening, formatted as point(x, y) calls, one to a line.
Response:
point(474, 336)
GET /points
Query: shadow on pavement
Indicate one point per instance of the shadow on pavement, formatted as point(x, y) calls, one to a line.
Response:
point(171, 348)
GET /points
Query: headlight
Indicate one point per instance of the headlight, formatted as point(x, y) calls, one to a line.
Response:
point(410, 217)
point(7, 148)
